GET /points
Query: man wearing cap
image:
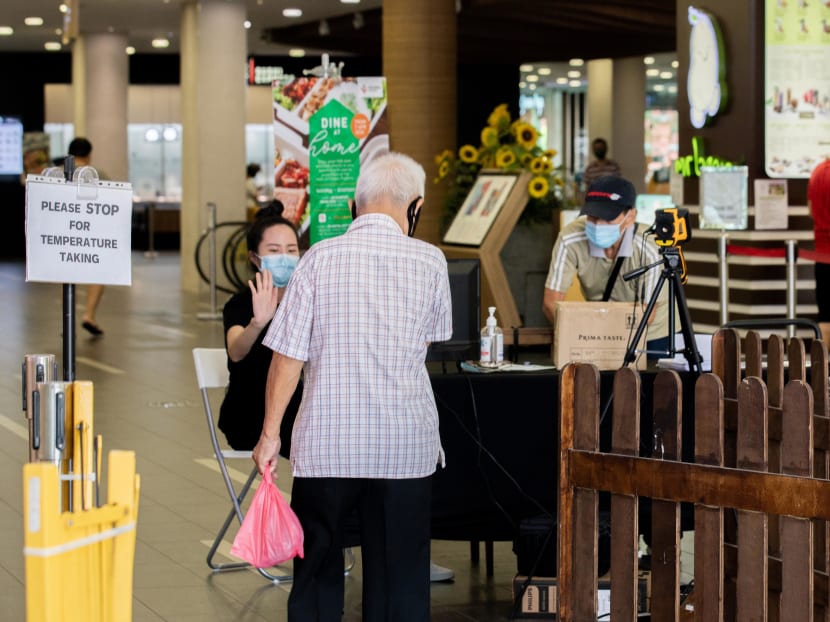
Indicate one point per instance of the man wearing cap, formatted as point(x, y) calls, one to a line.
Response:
point(600, 249)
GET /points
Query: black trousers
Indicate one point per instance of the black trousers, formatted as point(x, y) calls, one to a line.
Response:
point(394, 537)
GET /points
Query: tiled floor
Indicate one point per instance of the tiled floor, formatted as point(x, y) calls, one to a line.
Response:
point(146, 400)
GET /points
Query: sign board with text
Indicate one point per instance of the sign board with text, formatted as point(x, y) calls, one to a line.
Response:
point(78, 233)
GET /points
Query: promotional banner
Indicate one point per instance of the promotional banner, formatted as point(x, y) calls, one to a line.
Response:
point(797, 87)
point(78, 233)
point(324, 129)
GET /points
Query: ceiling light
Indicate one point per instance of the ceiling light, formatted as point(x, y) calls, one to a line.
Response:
point(247, 24)
point(544, 71)
point(659, 87)
point(532, 87)
point(323, 29)
point(130, 50)
point(648, 60)
point(561, 80)
point(170, 134)
point(532, 78)
point(574, 74)
point(52, 46)
point(576, 62)
point(152, 135)
point(63, 8)
point(296, 52)
point(522, 85)
point(666, 75)
point(6, 31)
point(350, 1)
point(672, 88)
point(357, 21)
point(525, 68)
point(574, 83)
point(675, 64)
point(160, 43)
point(292, 12)
point(59, 31)
point(652, 73)
point(33, 21)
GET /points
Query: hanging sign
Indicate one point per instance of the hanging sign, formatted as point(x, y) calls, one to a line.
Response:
point(78, 233)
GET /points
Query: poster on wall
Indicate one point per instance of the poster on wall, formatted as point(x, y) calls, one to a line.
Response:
point(316, 142)
point(771, 204)
point(797, 87)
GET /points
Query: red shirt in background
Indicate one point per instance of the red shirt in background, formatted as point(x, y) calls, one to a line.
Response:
point(818, 194)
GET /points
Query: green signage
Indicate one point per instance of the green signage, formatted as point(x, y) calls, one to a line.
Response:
point(334, 162)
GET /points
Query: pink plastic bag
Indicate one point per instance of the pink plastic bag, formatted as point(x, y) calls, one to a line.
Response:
point(270, 532)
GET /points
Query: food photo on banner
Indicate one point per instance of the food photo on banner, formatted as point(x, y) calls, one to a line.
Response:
point(325, 128)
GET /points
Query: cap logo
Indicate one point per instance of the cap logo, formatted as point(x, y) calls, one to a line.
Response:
point(608, 195)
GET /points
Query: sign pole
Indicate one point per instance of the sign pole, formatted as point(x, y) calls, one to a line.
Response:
point(69, 302)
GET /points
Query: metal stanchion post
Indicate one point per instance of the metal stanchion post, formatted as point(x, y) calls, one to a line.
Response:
point(723, 279)
point(791, 286)
point(151, 231)
point(212, 314)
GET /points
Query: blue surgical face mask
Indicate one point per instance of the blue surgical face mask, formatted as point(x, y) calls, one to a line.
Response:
point(280, 266)
point(603, 236)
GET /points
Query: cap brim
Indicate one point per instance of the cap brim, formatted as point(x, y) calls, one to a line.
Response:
point(603, 210)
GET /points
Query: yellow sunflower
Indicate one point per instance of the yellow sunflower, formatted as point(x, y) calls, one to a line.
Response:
point(550, 153)
point(443, 169)
point(444, 156)
point(500, 116)
point(526, 159)
point(468, 154)
point(489, 137)
point(537, 165)
point(526, 135)
point(505, 157)
point(538, 187)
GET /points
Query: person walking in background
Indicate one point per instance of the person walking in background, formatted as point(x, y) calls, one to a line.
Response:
point(360, 311)
point(81, 149)
point(818, 199)
point(602, 165)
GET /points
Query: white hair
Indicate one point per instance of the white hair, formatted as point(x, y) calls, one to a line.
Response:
point(392, 177)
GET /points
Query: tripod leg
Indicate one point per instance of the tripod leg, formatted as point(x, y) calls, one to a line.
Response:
point(631, 352)
point(690, 350)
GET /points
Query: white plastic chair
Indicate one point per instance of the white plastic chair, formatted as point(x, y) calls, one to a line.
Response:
point(212, 373)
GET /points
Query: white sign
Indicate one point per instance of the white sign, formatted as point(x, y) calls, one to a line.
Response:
point(723, 197)
point(770, 203)
point(78, 233)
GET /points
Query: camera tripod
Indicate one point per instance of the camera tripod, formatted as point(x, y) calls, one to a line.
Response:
point(674, 273)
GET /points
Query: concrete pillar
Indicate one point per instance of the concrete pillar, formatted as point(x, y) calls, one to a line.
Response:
point(213, 51)
point(628, 109)
point(600, 122)
point(100, 82)
point(419, 62)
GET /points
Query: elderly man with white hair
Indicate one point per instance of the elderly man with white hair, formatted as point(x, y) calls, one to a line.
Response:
point(359, 312)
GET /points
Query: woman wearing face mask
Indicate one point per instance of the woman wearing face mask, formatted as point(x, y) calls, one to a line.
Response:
point(273, 250)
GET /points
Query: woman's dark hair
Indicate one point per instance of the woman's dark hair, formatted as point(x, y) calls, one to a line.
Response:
point(252, 169)
point(268, 216)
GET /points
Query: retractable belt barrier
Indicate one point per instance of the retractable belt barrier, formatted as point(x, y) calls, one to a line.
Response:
point(79, 552)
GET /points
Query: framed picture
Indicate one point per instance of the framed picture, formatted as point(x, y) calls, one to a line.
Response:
point(490, 192)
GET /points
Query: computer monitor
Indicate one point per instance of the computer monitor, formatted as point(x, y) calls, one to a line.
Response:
point(465, 291)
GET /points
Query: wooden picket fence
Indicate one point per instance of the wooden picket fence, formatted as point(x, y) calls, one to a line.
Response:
point(759, 485)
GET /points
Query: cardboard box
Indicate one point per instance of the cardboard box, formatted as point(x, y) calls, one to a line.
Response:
point(540, 600)
point(595, 332)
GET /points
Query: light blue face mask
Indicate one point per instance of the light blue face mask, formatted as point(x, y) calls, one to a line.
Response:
point(280, 266)
point(603, 236)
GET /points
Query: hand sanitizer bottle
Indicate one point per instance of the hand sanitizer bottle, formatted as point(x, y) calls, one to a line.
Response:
point(492, 341)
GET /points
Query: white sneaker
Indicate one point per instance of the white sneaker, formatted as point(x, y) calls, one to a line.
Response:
point(439, 573)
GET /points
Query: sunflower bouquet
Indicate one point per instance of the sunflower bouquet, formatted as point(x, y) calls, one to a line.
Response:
point(506, 145)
